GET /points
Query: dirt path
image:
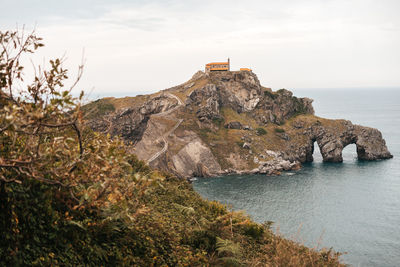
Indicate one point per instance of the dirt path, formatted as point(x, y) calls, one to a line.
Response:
point(165, 136)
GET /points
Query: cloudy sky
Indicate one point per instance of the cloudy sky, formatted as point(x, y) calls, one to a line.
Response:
point(139, 46)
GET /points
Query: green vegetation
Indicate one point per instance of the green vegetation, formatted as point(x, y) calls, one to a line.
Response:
point(98, 108)
point(218, 121)
point(260, 131)
point(69, 196)
point(299, 107)
point(240, 143)
point(270, 94)
point(204, 132)
point(279, 130)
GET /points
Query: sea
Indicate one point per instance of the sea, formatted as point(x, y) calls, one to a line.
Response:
point(352, 207)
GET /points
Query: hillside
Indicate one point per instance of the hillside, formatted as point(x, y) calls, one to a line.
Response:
point(227, 122)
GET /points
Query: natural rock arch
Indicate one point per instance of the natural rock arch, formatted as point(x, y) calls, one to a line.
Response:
point(331, 141)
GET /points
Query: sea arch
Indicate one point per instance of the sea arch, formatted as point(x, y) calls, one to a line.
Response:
point(369, 142)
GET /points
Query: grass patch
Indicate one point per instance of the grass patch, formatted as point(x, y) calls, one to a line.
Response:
point(204, 132)
point(280, 91)
point(218, 121)
point(270, 94)
point(98, 108)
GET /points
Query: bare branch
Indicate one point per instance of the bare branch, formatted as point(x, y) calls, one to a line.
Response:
point(12, 163)
point(9, 180)
point(102, 192)
point(78, 133)
point(80, 72)
point(72, 123)
point(5, 127)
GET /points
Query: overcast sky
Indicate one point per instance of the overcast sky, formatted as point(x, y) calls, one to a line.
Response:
point(134, 47)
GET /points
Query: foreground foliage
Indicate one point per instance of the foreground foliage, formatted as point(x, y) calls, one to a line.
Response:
point(69, 196)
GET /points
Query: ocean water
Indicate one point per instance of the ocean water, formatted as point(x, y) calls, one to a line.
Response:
point(353, 206)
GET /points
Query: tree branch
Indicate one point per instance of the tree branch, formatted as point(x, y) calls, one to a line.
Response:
point(78, 133)
point(5, 127)
point(58, 125)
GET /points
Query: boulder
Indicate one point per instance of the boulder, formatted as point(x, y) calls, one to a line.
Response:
point(246, 145)
point(247, 128)
point(233, 125)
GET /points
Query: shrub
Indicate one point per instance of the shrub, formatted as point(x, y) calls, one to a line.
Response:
point(218, 121)
point(65, 190)
point(204, 239)
point(261, 131)
point(279, 130)
point(253, 230)
point(240, 143)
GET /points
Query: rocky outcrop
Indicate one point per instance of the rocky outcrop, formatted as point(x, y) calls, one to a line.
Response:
point(332, 139)
point(226, 122)
point(282, 105)
point(370, 144)
point(130, 123)
point(234, 125)
point(195, 159)
point(207, 100)
point(242, 92)
point(276, 164)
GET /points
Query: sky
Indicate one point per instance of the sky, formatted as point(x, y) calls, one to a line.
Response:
point(136, 47)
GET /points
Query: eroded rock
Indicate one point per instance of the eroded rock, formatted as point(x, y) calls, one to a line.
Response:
point(333, 139)
point(195, 159)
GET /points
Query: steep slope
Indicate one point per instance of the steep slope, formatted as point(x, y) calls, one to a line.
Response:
point(226, 122)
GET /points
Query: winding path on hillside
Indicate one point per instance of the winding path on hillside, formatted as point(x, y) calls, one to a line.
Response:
point(165, 136)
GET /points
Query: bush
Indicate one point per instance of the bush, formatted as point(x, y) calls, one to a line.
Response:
point(253, 230)
point(261, 131)
point(218, 121)
point(64, 190)
point(240, 143)
point(279, 130)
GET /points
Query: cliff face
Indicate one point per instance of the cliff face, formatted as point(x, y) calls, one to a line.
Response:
point(242, 92)
point(226, 122)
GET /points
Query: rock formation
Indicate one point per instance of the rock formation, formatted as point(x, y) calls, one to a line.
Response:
point(226, 122)
point(333, 138)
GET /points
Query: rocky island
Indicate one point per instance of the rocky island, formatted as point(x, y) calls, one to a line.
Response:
point(227, 122)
